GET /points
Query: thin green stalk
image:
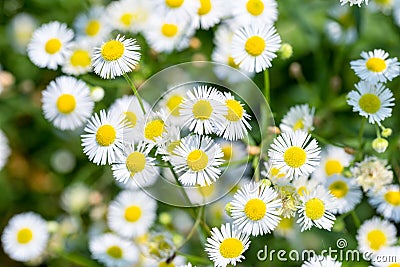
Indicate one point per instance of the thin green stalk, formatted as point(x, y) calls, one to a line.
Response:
point(194, 227)
point(326, 141)
point(77, 259)
point(135, 91)
point(256, 165)
point(355, 219)
point(361, 133)
point(267, 88)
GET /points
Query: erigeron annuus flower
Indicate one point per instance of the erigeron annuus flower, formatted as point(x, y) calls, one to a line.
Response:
point(183, 10)
point(299, 117)
point(254, 46)
point(255, 209)
point(112, 250)
point(25, 237)
point(203, 110)
point(376, 234)
point(321, 261)
point(376, 66)
point(67, 103)
point(4, 149)
point(135, 164)
point(235, 119)
point(209, 13)
point(373, 101)
point(197, 158)
point(226, 246)
point(75, 198)
point(353, 2)
point(391, 256)
point(233, 151)
point(372, 173)
point(103, 138)
point(255, 11)
point(295, 153)
point(92, 26)
point(316, 209)
point(387, 202)
point(79, 59)
point(333, 161)
point(115, 57)
point(22, 26)
point(171, 102)
point(129, 15)
point(347, 194)
point(154, 126)
point(131, 213)
point(129, 107)
point(49, 45)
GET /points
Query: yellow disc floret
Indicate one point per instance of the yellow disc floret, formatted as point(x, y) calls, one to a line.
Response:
point(339, 189)
point(80, 58)
point(235, 110)
point(255, 209)
point(376, 239)
point(375, 64)
point(205, 7)
point(315, 209)
point(255, 45)
point(53, 46)
point(333, 166)
point(114, 252)
point(197, 160)
point(295, 157)
point(133, 213)
point(66, 103)
point(112, 50)
point(174, 3)
point(135, 162)
point(202, 110)
point(231, 248)
point(106, 135)
point(370, 103)
point(169, 30)
point(173, 104)
point(393, 198)
point(92, 28)
point(24, 236)
point(154, 129)
point(255, 7)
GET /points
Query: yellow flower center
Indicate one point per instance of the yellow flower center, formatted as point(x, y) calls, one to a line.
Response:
point(174, 3)
point(197, 160)
point(114, 252)
point(80, 58)
point(315, 209)
point(393, 198)
point(165, 264)
point(228, 151)
point(133, 213)
point(333, 166)
point(384, 2)
point(370, 103)
point(255, 7)
point(112, 50)
point(255, 209)
point(105, 135)
point(126, 19)
point(205, 7)
point(171, 146)
point(232, 63)
point(375, 64)
point(135, 162)
point(235, 110)
point(206, 190)
point(66, 103)
point(169, 30)
point(202, 110)
point(275, 172)
point(173, 104)
point(231, 248)
point(131, 118)
point(255, 45)
point(154, 129)
point(92, 28)
point(286, 223)
point(295, 157)
point(302, 191)
point(24, 236)
point(339, 189)
point(53, 46)
point(376, 239)
point(298, 125)
point(394, 265)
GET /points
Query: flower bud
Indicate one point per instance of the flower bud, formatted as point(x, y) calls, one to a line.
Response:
point(286, 51)
point(380, 144)
point(386, 132)
point(228, 208)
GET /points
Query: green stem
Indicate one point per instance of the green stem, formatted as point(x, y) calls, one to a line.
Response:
point(378, 131)
point(267, 88)
point(135, 91)
point(256, 165)
point(361, 133)
point(326, 141)
point(355, 219)
point(77, 259)
point(194, 228)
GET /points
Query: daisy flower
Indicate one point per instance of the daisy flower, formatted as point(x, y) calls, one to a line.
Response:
point(185, 10)
point(113, 250)
point(135, 164)
point(347, 194)
point(209, 13)
point(50, 44)
point(115, 57)
point(131, 213)
point(299, 117)
point(247, 12)
point(204, 109)
point(25, 237)
point(376, 234)
point(255, 209)
point(129, 107)
point(321, 261)
point(316, 209)
point(372, 174)
point(391, 254)
point(254, 47)
point(233, 151)
point(387, 202)
point(103, 138)
point(92, 26)
point(376, 67)
point(198, 158)
point(154, 127)
point(333, 161)
point(165, 35)
point(79, 59)
point(4, 149)
point(295, 153)
point(171, 103)
point(373, 101)
point(353, 2)
point(236, 119)
point(67, 103)
point(226, 246)
point(22, 26)
point(129, 15)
